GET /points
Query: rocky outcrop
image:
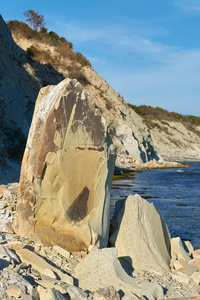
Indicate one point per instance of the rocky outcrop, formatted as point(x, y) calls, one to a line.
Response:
point(67, 170)
point(141, 236)
point(130, 135)
point(30, 277)
point(176, 142)
point(101, 268)
point(21, 79)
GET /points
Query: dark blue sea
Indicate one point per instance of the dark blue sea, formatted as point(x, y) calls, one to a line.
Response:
point(175, 194)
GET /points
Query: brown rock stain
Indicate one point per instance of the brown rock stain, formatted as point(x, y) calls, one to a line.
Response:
point(78, 210)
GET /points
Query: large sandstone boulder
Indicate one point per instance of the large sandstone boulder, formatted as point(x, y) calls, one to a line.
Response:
point(101, 269)
point(66, 173)
point(141, 235)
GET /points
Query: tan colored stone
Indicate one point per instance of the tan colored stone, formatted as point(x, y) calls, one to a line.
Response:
point(49, 294)
point(184, 267)
point(101, 269)
point(4, 192)
point(141, 236)
point(16, 291)
point(61, 287)
point(76, 254)
point(76, 293)
point(188, 247)
point(46, 283)
point(177, 248)
point(194, 281)
point(6, 227)
point(83, 254)
point(196, 275)
point(106, 294)
point(194, 263)
point(66, 174)
point(196, 254)
point(50, 273)
point(40, 264)
point(61, 251)
point(15, 245)
point(182, 279)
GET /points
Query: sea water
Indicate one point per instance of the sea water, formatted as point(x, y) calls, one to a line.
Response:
point(175, 194)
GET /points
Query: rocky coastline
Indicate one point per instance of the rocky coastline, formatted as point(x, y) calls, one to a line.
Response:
point(56, 237)
point(43, 272)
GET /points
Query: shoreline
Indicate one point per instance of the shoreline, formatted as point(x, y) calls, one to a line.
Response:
point(175, 283)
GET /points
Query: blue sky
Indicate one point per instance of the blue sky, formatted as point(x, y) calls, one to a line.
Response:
point(147, 50)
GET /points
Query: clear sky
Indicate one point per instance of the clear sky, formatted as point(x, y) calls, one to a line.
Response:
point(147, 50)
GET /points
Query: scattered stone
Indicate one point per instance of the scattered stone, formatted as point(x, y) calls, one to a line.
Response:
point(177, 248)
point(49, 273)
point(61, 287)
point(184, 267)
point(172, 288)
point(196, 275)
point(194, 263)
point(196, 254)
point(141, 235)
point(40, 264)
point(50, 294)
point(4, 192)
point(61, 251)
point(182, 279)
point(20, 266)
point(106, 294)
point(15, 245)
point(46, 283)
point(27, 297)
point(16, 291)
point(76, 293)
point(188, 247)
point(83, 254)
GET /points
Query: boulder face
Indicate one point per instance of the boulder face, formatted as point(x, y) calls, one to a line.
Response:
point(101, 269)
point(66, 173)
point(141, 236)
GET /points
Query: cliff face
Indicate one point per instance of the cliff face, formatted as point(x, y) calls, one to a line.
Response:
point(175, 141)
point(130, 135)
point(21, 80)
point(176, 137)
point(18, 90)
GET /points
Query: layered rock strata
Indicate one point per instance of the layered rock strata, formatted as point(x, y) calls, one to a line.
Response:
point(130, 135)
point(64, 196)
point(175, 141)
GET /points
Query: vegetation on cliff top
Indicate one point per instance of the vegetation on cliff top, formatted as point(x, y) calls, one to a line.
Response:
point(150, 114)
point(48, 48)
point(63, 47)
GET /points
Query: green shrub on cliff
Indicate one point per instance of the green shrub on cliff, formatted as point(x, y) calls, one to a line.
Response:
point(149, 114)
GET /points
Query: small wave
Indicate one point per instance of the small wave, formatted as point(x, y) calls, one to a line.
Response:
point(180, 171)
